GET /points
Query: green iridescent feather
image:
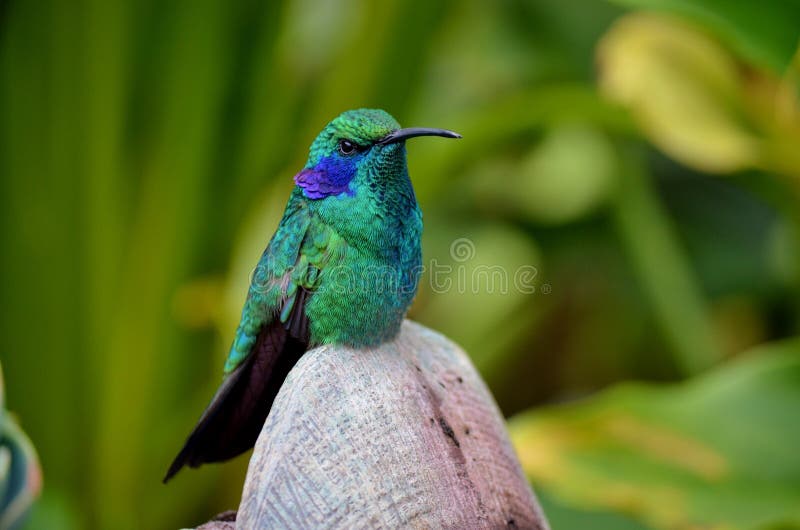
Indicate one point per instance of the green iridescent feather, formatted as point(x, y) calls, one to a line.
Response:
point(364, 249)
point(342, 268)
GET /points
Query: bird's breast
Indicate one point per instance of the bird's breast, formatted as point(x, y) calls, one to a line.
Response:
point(362, 297)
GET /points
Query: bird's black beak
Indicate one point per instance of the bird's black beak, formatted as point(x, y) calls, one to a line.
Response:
point(404, 134)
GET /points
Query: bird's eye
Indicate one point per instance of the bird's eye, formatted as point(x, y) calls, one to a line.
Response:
point(346, 147)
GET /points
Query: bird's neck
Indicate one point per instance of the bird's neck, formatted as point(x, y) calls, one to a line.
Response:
point(378, 217)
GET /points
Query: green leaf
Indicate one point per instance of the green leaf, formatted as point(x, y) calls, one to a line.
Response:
point(561, 516)
point(764, 33)
point(719, 451)
point(658, 260)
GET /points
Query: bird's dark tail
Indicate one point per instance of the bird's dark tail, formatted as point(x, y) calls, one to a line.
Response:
point(232, 422)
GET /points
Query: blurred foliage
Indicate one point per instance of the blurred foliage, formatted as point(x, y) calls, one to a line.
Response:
point(20, 474)
point(644, 162)
point(695, 455)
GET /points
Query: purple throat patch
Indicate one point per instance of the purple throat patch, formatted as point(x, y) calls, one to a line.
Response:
point(331, 176)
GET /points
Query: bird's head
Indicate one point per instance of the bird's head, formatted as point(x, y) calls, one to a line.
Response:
point(357, 142)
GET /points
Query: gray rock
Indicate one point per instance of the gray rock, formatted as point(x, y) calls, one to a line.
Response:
point(405, 435)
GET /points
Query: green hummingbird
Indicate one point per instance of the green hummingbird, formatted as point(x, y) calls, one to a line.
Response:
point(342, 268)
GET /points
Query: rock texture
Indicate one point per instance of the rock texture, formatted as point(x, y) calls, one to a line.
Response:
point(401, 436)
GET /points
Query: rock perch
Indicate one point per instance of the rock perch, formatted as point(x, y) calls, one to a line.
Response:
point(405, 435)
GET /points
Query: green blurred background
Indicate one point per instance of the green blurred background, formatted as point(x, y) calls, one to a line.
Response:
point(643, 155)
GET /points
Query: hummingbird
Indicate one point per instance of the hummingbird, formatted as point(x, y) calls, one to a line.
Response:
point(342, 268)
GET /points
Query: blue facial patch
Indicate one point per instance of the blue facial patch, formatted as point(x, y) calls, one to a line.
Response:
point(331, 176)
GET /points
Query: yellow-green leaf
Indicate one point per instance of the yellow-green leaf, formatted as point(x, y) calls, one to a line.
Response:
point(718, 452)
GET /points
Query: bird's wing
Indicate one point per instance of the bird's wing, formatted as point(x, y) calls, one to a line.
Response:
point(273, 334)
